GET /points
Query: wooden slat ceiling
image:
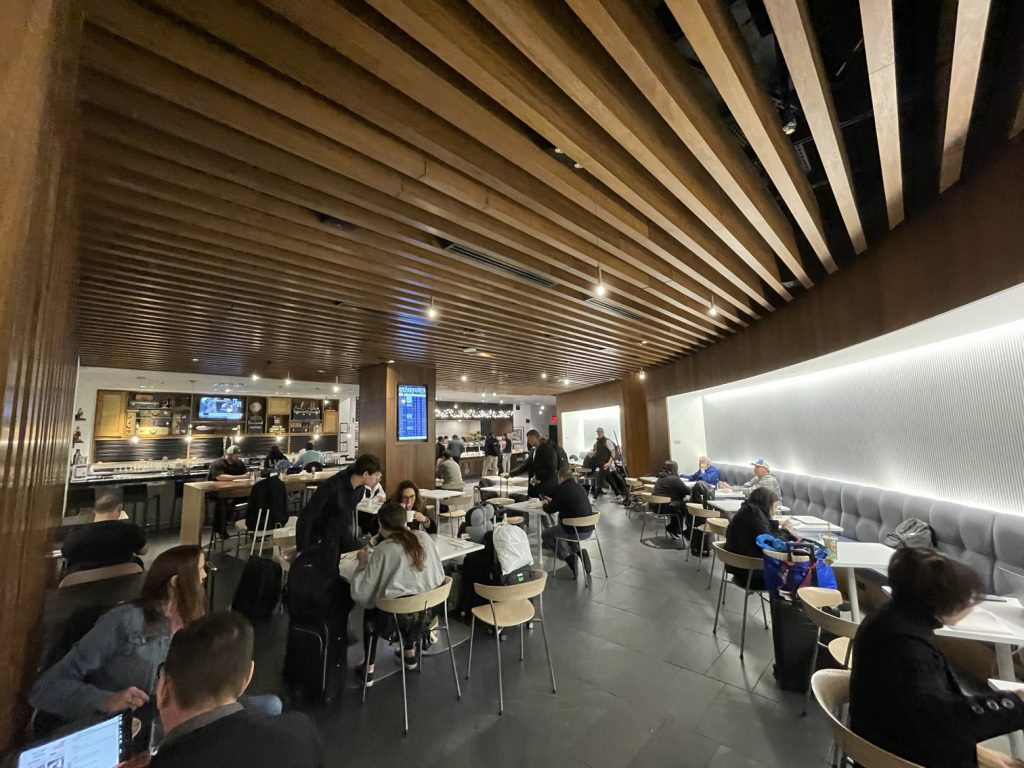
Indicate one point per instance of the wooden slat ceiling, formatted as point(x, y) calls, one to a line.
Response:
point(275, 186)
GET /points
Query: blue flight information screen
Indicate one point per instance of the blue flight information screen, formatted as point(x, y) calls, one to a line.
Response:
point(412, 412)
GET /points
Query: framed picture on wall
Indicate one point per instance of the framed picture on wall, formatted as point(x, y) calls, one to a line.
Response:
point(517, 436)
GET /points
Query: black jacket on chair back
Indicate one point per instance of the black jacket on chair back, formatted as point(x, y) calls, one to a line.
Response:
point(269, 493)
point(904, 698)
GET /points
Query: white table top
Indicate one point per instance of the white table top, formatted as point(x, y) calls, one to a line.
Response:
point(1006, 627)
point(808, 523)
point(859, 554)
point(437, 493)
point(530, 505)
point(447, 547)
point(507, 480)
point(648, 479)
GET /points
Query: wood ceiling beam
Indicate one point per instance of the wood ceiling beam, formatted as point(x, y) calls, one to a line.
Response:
point(643, 51)
point(971, 23)
point(713, 33)
point(174, 43)
point(557, 43)
point(795, 35)
point(361, 36)
point(880, 51)
point(316, 163)
point(112, 140)
point(251, 209)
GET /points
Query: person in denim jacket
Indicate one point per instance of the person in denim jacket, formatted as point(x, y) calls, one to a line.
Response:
point(114, 666)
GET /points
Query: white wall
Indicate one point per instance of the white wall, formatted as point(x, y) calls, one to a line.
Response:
point(686, 432)
point(579, 427)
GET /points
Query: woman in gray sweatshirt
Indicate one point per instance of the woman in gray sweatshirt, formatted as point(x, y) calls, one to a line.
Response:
point(404, 563)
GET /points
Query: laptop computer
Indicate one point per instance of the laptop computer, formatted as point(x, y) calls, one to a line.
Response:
point(100, 745)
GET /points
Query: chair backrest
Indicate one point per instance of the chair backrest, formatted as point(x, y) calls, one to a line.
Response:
point(718, 524)
point(697, 510)
point(523, 591)
point(577, 522)
point(416, 603)
point(99, 574)
point(814, 599)
point(737, 561)
point(314, 466)
point(832, 690)
point(501, 501)
point(659, 500)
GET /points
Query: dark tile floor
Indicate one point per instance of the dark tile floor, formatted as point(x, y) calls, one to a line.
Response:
point(641, 682)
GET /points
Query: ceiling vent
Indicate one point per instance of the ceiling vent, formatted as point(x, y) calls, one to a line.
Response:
point(490, 261)
point(332, 221)
point(615, 310)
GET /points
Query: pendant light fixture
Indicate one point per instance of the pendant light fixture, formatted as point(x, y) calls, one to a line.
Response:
point(713, 310)
point(431, 310)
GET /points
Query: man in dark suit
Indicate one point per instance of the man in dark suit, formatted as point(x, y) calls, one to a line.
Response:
point(541, 465)
point(568, 500)
point(208, 667)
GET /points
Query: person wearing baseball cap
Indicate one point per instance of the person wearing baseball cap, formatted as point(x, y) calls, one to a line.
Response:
point(763, 478)
point(229, 468)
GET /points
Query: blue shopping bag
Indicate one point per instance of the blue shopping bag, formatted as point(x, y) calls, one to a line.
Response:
point(787, 574)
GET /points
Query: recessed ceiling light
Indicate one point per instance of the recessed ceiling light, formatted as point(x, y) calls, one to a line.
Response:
point(577, 166)
point(320, 370)
point(391, 362)
point(494, 394)
point(255, 377)
point(559, 151)
point(543, 375)
point(644, 342)
point(195, 359)
point(464, 377)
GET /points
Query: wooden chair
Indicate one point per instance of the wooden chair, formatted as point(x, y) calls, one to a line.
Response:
point(658, 503)
point(717, 526)
point(398, 606)
point(831, 688)
point(749, 564)
point(451, 515)
point(510, 606)
point(814, 600)
point(697, 511)
point(575, 523)
point(633, 486)
point(99, 574)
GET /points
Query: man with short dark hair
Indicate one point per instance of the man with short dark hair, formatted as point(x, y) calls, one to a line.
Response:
point(108, 540)
point(330, 513)
point(506, 453)
point(569, 500)
point(491, 451)
point(209, 665)
point(541, 465)
point(309, 456)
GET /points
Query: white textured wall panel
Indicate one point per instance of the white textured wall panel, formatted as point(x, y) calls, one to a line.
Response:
point(944, 421)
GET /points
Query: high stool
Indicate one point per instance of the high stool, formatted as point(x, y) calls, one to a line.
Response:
point(234, 500)
point(179, 498)
point(139, 494)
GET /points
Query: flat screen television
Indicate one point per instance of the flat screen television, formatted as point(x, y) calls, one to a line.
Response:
point(412, 412)
point(222, 408)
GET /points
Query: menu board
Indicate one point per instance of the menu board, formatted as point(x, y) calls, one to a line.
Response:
point(412, 412)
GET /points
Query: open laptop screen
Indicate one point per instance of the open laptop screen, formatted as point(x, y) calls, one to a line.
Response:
point(100, 745)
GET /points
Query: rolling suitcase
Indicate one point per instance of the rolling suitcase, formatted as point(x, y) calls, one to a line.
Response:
point(314, 660)
point(260, 586)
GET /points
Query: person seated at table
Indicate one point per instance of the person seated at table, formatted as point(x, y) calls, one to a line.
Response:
point(541, 465)
point(208, 667)
point(705, 480)
point(309, 456)
point(669, 484)
point(230, 467)
point(763, 478)
point(449, 473)
point(274, 457)
point(903, 695)
point(114, 665)
point(408, 495)
point(403, 563)
point(109, 540)
point(568, 500)
point(756, 515)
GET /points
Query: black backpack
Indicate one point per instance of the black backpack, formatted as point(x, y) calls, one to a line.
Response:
point(561, 460)
point(911, 533)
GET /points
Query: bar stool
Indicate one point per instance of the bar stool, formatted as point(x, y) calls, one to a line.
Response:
point(139, 494)
point(179, 499)
point(226, 497)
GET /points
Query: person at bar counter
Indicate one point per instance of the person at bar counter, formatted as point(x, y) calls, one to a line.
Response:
point(506, 453)
point(904, 697)
point(491, 452)
point(569, 500)
point(108, 540)
point(705, 480)
point(455, 448)
point(329, 516)
point(449, 473)
point(274, 456)
point(225, 469)
point(670, 485)
point(310, 455)
point(209, 666)
point(763, 478)
point(541, 466)
point(756, 515)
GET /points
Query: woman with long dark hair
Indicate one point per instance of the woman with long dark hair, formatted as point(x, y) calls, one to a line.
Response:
point(274, 455)
point(408, 495)
point(756, 516)
point(903, 695)
point(114, 666)
point(404, 563)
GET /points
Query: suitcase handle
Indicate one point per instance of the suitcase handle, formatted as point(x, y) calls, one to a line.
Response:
point(266, 525)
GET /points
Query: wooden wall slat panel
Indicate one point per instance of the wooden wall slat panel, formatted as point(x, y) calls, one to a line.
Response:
point(38, 137)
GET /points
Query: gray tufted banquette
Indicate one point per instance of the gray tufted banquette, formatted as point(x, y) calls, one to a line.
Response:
point(980, 537)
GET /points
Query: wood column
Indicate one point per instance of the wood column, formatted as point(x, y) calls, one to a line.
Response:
point(39, 42)
point(378, 423)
